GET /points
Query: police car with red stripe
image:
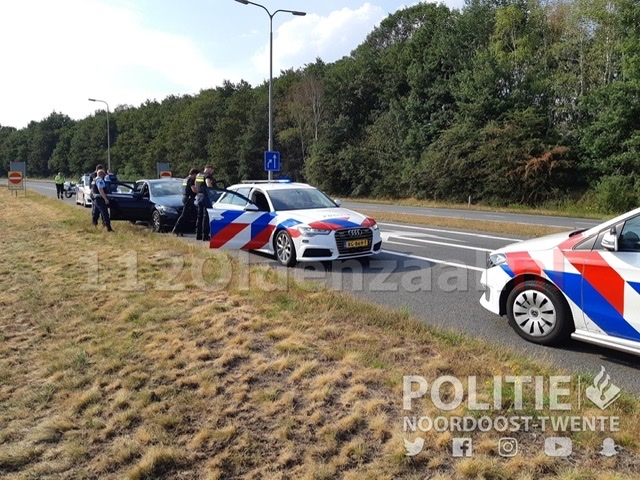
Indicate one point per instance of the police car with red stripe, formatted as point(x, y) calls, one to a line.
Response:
point(295, 222)
point(583, 285)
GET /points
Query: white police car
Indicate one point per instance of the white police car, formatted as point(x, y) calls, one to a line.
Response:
point(293, 221)
point(584, 285)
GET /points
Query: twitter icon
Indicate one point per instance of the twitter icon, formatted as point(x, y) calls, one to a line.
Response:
point(413, 448)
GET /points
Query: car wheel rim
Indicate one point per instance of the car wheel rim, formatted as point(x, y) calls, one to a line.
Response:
point(156, 221)
point(283, 248)
point(534, 313)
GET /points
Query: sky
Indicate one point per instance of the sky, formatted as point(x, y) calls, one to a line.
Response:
point(56, 54)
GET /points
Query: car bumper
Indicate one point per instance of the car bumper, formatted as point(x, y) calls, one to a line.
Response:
point(328, 247)
point(493, 281)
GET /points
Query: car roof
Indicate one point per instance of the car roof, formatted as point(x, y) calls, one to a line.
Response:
point(159, 180)
point(274, 185)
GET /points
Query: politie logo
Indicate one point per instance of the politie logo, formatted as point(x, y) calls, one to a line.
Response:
point(545, 406)
point(602, 393)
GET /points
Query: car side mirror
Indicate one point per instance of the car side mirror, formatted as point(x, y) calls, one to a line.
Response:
point(251, 208)
point(337, 201)
point(610, 240)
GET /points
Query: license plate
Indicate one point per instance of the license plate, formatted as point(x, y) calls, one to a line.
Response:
point(357, 243)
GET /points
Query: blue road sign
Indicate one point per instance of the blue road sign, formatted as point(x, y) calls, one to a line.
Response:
point(271, 161)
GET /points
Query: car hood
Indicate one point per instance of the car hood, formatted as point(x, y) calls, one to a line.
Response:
point(328, 218)
point(541, 243)
point(173, 201)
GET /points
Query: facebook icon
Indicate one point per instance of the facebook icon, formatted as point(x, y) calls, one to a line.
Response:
point(462, 447)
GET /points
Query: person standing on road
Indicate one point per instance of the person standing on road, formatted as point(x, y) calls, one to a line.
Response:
point(204, 180)
point(59, 179)
point(92, 179)
point(188, 200)
point(100, 201)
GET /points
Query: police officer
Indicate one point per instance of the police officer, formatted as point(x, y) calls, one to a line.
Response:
point(100, 201)
point(188, 200)
point(204, 180)
point(59, 179)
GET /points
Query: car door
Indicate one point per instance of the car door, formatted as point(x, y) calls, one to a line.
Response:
point(133, 206)
point(611, 283)
point(242, 221)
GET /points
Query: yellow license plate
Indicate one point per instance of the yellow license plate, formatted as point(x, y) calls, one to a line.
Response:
point(357, 243)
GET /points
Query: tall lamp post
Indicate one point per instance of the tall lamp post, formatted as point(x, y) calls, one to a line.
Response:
point(271, 15)
point(108, 132)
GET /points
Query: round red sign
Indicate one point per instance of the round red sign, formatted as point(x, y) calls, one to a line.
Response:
point(15, 177)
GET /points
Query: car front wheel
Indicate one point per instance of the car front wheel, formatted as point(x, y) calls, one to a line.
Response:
point(538, 312)
point(285, 250)
point(156, 221)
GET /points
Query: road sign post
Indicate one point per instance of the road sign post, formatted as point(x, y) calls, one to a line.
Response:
point(271, 162)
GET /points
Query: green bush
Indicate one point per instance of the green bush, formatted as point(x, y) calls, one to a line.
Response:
point(617, 193)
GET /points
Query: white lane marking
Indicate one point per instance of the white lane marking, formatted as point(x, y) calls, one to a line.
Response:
point(432, 260)
point(386, 236)
point(479, 235)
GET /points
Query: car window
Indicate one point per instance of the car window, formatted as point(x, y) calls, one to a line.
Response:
point(230, 198)
point(299, 199)
point(260, 200)
point(162, 189)
point(629, 239)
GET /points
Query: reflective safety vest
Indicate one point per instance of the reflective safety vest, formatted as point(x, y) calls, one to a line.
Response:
point(59, 179)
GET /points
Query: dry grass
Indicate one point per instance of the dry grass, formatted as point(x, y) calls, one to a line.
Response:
point(168, 373)
point(463, 224)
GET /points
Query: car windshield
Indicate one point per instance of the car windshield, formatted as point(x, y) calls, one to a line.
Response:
point(299, 199)
point(162, 189)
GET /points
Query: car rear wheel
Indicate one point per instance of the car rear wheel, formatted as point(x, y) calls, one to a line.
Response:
point(538, 312)
point(285, 250)
point(156, 221)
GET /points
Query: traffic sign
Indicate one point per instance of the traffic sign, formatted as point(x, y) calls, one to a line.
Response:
point(271, 161)
point(15, 180)
point(165, 174)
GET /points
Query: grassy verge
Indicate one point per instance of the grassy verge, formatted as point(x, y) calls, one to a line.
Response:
point(464, 224)
point(563, 209)
point(134, 355)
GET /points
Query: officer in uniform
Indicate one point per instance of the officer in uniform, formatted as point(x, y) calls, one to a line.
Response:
point(188, 200)
point(204, 180)
point(100, 201)
point(59, 179)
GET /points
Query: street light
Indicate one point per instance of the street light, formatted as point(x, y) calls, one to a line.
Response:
point(108, 135)
point(271, 15)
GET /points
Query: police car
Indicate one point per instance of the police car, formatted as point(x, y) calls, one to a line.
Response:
point(295, 222)
point(583, 285)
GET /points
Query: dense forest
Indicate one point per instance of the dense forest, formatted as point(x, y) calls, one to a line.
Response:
point(505, 101)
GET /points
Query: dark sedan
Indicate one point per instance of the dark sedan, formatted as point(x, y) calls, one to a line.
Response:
point(157, 202)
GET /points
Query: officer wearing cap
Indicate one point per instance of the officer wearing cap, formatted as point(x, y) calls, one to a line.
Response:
point(100, 201)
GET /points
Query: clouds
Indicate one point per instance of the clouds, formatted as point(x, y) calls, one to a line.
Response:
point(56, 54)
point(300, 40)
point(60, 53)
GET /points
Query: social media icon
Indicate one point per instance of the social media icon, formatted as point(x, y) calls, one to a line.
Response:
point(507, 447)
point(558, 446)
point(608, 447)
point(462, 447)
point(413, 448)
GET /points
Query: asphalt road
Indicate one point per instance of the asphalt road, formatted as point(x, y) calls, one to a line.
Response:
point(434, 273)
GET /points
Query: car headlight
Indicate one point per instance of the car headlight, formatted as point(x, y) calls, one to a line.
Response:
point(166, 210)
point(310, 232)
point(496, 259)
point(375, 227)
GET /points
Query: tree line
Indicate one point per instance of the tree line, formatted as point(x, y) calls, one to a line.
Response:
point(505, 101)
